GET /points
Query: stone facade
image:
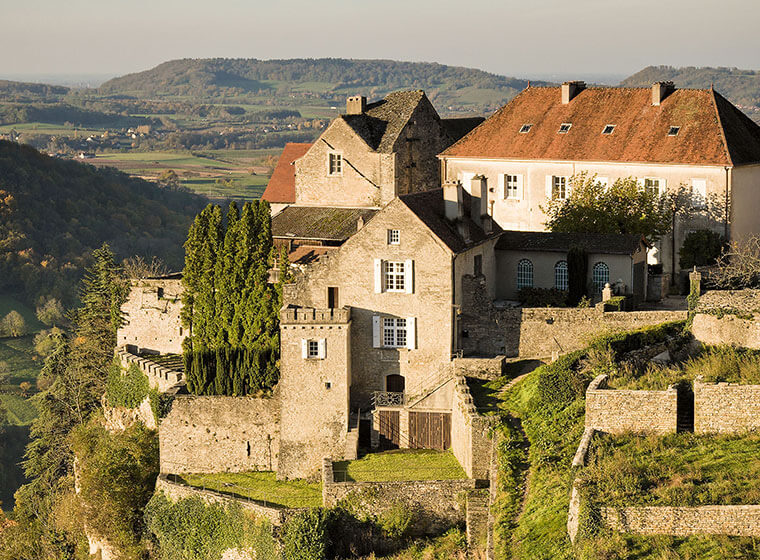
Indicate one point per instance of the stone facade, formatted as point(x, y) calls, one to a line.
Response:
point(438, 504)
point(540, 332)
point(726, 408)
point(314, 390)
point(220, 434)
point(470, 441)
point(618, 411)
point(160, 377)
point(684, 521)
point(728, 317)
point(152, 317)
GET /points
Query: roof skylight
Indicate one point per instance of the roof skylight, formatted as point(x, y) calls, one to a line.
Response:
point(564, 128)
point(608, 129)
point(525, 128)
point(673, 131)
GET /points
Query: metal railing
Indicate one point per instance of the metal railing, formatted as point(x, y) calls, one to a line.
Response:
point(388, 398)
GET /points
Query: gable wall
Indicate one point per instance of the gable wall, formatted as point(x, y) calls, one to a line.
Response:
point(152, 323)
point(351, 269)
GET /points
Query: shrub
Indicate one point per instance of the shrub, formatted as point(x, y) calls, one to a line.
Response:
point(619, 303)
point(701, 248)
point(561, 381)
point(126, 388)
point(304, 535)
point(50, 312)
point(542, 297)
point(396, 521)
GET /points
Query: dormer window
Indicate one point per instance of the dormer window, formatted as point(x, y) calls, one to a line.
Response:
point(525, 128)
point(673, 130)
point(564, 128)
point(608, 129)
point(334, 164)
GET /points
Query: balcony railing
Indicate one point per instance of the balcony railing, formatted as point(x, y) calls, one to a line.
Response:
point(388, 398)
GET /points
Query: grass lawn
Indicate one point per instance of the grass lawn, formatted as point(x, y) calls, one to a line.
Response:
point(261, 486)
point(22, 362)
point(400, 464)
point(675, 470)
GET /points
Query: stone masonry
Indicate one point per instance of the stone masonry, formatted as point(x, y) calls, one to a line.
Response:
point(728, 317)
point(685, 521)
point(725, 408)
point(617, 411)
point(469, 433)
point(152, 317)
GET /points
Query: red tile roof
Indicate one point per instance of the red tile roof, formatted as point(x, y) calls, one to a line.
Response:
point(282, 184)
point(712, 131)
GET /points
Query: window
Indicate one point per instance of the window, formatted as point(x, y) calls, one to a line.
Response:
point(394, 332)
point(699, 192)
point(394, 276)
point(524, 274)
point(332, 297)
point(559, 187)
point(525, 128)
point(478, 265)
point(560, 275)
point(395, 383)
point(673, 130)
point(564, 128)
point(600, 276)
point(608, 129)
point(512, 187)
point(160, 293)
point(394, 236)
point(313, 349)
point(335, 164)
point(652, 186)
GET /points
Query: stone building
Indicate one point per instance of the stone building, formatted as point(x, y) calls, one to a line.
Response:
point(665, 137)
point(281, 188)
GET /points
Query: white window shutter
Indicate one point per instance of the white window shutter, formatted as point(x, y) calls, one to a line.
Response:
point(304, 348)
point(409, 276)
point(411, 333)
point(549, 187)
point(568, 186)
point(501, 182)
point(321, 349)
point(376, 331)
point(663, 186)
point(519, 187)
point(640, 182)
point(378, 276)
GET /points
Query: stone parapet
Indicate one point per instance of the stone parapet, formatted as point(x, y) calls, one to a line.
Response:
point(684, 521)
point(470, 441)
point(725, 408)
point(312, 316)
point(160, 377)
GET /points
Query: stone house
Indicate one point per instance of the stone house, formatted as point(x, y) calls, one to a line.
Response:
point(665, 137)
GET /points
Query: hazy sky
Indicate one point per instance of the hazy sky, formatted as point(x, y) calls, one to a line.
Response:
point(530, 37)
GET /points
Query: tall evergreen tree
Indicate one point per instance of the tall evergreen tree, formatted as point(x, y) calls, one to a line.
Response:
point(225, 279)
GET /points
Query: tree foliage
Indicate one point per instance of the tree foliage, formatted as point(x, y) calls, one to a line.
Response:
point(229, 306)
point(13, 325)
point(701, 248)
point(738, 267)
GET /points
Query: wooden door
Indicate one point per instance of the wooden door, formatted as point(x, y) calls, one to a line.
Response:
point(430, 430)
point(389, 428)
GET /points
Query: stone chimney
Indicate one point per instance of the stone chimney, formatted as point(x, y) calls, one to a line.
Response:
point(359, 223)
point(453, 207)
point(571, 89)
point(479, 199)
point(356, 105)
point(660, 90)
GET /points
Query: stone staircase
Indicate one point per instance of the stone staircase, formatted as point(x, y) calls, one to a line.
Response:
point(477, 518)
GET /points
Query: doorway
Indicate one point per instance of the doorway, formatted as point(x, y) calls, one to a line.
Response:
point(395, 383)
point(332, 297)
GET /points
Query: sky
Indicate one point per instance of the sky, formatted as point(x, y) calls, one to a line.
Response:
point(531, 38)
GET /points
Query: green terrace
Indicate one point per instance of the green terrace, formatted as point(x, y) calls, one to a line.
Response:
point(674, 470)
point(400, 464)
point(260, 487)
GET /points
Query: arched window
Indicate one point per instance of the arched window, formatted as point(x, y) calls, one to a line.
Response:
point(600, 276)
point(395, 383)
point(524, 274)
point(560, 275)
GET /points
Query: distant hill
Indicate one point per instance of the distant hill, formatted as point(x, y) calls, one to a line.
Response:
point(741, 87)
point(327, 77)
point(14, 89)
point(53, 213)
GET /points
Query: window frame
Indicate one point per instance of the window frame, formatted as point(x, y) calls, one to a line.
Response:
point(564, 128)
point(312, 349)
point(524, 271)
point(394, 332)
point(339, 159)
point(525, 129)
point(559, 182)
point(611, 128)
point(598, 283)
point(394, 237)
point(561, 276)
point(652, 181)
point(511, 185)
point(394, 276)
point(673, 130)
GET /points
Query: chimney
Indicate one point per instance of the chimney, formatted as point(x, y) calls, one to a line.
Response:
point(660, 90)
point(479, 199)
point(571, 89)
point(453, 206)
point(359, 223)
point(356, 105)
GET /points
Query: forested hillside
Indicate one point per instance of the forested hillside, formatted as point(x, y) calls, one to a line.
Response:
point(53, 213)
point(741, 87)
point(219, 76)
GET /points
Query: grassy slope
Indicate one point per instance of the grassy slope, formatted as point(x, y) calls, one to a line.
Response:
point(400, 464)
point(261, 486)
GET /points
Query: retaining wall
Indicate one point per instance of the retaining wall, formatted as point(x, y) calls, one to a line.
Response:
point(438, 504)
point(480, 368)
point(160, 377)
point(119, 418)
point(725, 408)
point(617, 411)
point(728, 317)
point(469, 433)
point(220, 434)
point(684, 521)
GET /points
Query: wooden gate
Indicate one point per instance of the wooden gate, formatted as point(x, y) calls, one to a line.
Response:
point(389, 425)
point(429, 430)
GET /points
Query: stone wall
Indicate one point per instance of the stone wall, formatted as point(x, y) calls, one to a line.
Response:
point(176, 491)
point(439, 504)
point(684, 521)
point(540, 332)
point(728, 317)
point(220, 434)
point(152, 317)
point(119, 418)
point(617, 411)
point(725, 408)
point(469, 433)
point(480, 368)
point(160, 377)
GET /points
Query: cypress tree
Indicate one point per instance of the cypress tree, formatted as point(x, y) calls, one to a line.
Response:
point(225, 279)
point(577, 266)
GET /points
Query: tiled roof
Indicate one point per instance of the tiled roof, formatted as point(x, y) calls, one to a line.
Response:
point(282, 184)
point(318, 222)
point(382, 122)
point(456, 128)
point(612, 244)
point(428, 206)
point(712, 131)
point(306, 254)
